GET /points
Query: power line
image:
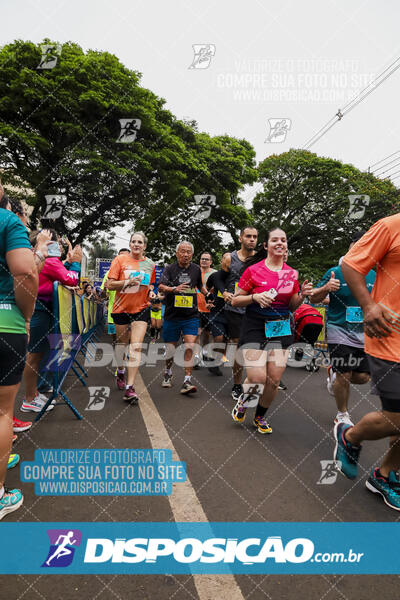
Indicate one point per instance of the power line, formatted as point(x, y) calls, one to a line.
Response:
point(390, 168)
point(353, 103)
point(386, 157)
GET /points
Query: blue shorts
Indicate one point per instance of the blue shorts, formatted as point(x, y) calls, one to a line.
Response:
point(111, 328)
point(172, 329)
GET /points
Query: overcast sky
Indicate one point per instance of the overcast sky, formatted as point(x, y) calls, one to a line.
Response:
point(294, 60)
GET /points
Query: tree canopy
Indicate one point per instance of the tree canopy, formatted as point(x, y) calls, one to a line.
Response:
point(308, 196)
point(60, 134)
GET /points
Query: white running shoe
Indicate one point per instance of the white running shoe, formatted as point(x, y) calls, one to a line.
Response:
point(44, 398)
point(343, 418)
point(36, 405)
point(330, 380)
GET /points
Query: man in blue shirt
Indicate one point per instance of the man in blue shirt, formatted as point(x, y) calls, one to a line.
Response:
point(345, 335)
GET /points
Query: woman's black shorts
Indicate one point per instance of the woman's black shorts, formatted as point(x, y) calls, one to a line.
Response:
point(253, 335)
point(12, 357)
point(128, 318)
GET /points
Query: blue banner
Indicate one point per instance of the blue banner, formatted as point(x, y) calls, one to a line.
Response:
point(188, 548)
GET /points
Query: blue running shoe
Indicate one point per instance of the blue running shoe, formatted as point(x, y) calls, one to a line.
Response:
point(345, 452)
point(387, 487)
point(11, 500)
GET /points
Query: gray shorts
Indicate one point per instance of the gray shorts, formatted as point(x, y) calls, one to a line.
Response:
point(385, 382)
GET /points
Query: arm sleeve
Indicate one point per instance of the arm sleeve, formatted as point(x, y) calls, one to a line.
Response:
point(16, 235)
point(165, 277)
point(199, 280)
point(325, 278)
point(246, 281)
point(370, 249)
point(103, 283)
point(215, 281)
point(115, 269)
point(56, 271)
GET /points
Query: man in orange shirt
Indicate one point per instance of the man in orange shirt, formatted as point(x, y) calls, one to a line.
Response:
point(380, 246)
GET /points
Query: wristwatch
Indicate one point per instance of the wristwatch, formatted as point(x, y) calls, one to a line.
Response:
point(174, 288)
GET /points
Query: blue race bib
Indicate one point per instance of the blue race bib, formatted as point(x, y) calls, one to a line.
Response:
point(145, 277)
point(277, 328)
point(354, 314)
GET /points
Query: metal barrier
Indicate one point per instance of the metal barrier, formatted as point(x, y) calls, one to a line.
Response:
point(76, 321)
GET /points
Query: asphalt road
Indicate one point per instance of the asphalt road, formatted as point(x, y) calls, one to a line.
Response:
point(236, 474)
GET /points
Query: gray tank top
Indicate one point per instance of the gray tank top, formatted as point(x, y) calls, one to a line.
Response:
point(232, 279)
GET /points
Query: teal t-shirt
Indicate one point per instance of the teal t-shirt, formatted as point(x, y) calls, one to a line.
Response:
point(339, 330)
point(13, 235)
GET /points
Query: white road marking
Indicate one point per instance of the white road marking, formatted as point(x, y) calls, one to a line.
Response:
point(184, 502)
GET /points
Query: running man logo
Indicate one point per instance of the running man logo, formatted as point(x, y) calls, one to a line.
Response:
point(204, 204)
point(97, 397)
point(329, 471)
point(54, 207)
point(63, 543)
point(278, 129)
point(252, 392)
point(358, 204)
point(129, 129)
point(203, 54)
point(50, 54)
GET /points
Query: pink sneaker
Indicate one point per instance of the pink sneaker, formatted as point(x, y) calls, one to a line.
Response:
point(120, 380)
point(130, 394)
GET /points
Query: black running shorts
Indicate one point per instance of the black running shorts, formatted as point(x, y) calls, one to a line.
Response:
point(12, 357)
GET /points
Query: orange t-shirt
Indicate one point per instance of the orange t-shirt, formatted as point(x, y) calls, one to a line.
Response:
point(132, 299)
point(380, 246)
point(201, 300)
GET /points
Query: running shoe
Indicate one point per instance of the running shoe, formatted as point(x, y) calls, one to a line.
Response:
point(19, 426)
point(345, 452)
point(13, 460)
point(237, 391)
point(10, 501)
point(167, 381)
point(196, 362)
point(239, 410)
point(330, 380)
point(120, 380)
point(262, 425)
point(188, 388)
point(282, 386)
point(215, 371)
point(14, 438)
point(387, 487)
point(343, 418)
point(36, 405)
point(130, 394)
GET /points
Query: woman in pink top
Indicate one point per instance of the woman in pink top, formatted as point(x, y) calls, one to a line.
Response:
point(269, 289)
point(66, 273)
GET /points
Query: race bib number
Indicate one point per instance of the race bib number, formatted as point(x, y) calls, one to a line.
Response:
point(277, 328)
point(145, 277)
point(183, 302)
point(354, 314)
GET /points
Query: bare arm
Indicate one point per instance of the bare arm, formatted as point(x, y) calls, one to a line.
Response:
point(23, 269)
point(376, 318)
point(243, 298)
